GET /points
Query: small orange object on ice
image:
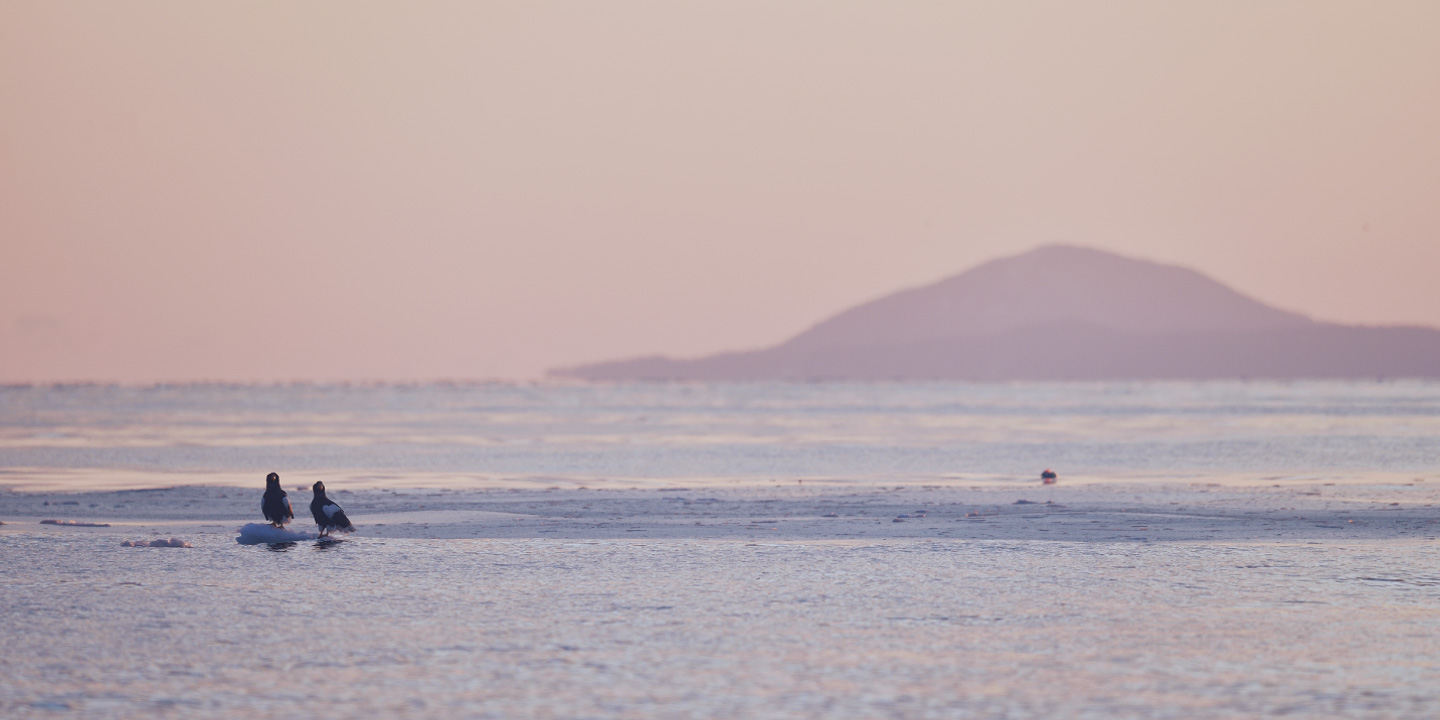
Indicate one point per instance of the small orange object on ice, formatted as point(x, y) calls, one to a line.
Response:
point(1048, 477)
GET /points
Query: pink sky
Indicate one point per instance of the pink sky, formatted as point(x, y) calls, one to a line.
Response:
point(346, 190)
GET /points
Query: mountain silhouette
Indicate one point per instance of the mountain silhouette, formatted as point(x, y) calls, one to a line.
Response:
point(1061, 313)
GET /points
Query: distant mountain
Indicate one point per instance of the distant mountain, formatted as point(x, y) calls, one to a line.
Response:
point(1061, 313)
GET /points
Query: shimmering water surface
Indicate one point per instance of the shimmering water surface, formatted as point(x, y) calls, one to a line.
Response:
point(725, 431)
point(372, 628)
point(740, 627)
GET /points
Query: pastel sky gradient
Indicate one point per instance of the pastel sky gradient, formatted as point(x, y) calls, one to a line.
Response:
point(349, 190)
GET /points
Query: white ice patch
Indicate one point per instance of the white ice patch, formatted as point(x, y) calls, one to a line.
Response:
point(256, 533)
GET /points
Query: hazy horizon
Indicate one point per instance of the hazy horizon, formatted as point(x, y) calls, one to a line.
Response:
point(362, 191)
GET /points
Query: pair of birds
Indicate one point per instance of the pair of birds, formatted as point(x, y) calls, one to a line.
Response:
point(276, 508)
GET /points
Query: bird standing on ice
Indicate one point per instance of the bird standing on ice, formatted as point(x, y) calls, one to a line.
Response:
point(327, 514)
point(274, 505)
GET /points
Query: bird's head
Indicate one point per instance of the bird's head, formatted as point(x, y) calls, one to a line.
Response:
point(319, 488)
point(272, 482)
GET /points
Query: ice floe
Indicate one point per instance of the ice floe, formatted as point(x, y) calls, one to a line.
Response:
point(256, 533)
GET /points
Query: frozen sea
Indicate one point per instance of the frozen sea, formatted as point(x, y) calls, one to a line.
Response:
point(1215, 550)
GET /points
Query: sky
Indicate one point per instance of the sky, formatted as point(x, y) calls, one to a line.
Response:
point(329, 191)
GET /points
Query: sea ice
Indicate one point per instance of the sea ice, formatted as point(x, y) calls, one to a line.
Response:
point(256, 533)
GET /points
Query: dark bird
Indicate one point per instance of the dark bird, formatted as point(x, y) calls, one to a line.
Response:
point(1048, 477)
point(327, 514)
point(274, 505)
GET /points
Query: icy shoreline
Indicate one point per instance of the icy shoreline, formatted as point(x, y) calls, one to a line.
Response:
point(1261, 510)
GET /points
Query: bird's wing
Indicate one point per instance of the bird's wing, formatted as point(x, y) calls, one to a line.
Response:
point(288, 511)
point(336, 517)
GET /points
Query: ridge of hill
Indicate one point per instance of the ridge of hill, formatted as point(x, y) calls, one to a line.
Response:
point(1060, 313)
